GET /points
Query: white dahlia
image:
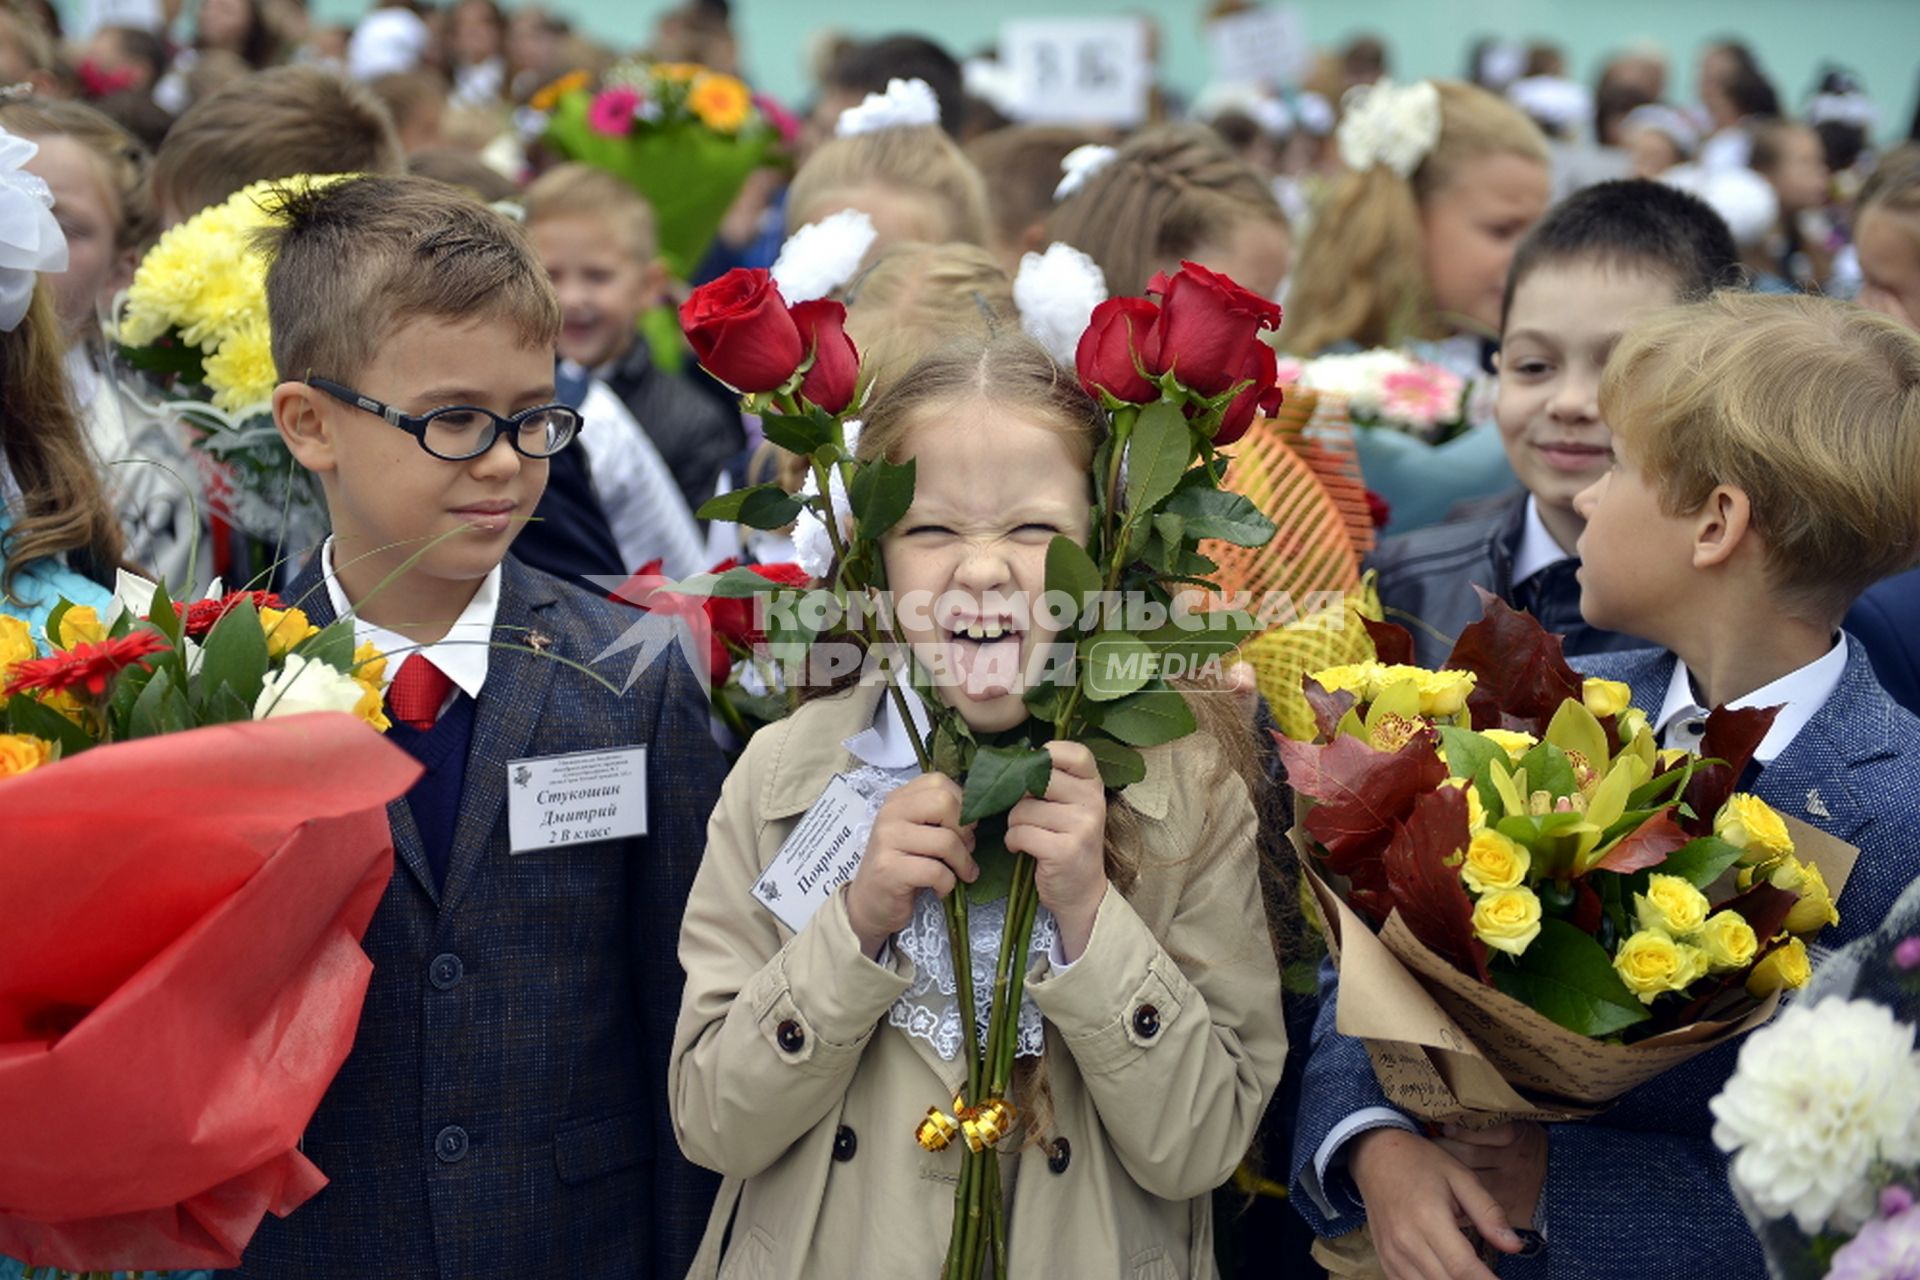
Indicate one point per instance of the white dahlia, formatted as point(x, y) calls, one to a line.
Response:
point(1818, 1099)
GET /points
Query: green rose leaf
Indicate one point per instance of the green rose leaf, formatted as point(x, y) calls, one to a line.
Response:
point(234, 656)
point(333, 645)
point(1157, 455)
point(1120, 765)
point(1000, 776)
point(1212, 513)
point(1701, 861)
point(1152, 716)
point(763, 506)
point(1114, 664)
point(161, 614)
point(160, 708)
point(30, 716)
point(880, 494)
point(796, 434)
point(995, 860)
point(1567, 976)
point(1071, 571)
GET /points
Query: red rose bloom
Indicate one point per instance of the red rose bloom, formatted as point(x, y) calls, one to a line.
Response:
point(1206, 322)
point(835, 373)
point(733, 619)
point(740, 328)
point(198, 618)
point(1109, 351)
point(1262, 368)
point(91, 667)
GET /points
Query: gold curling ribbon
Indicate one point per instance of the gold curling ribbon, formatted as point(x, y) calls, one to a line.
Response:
point(936, 1131)
point(991, 1121)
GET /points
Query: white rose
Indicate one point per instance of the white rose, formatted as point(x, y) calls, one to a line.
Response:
point(306, 684)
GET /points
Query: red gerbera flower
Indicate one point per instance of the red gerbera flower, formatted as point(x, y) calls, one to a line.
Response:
point(200, 616)
point(86, 666)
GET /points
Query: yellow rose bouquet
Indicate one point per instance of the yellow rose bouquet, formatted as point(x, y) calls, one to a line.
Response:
point(193, 329)
point(681, 135)
point(1577, 910)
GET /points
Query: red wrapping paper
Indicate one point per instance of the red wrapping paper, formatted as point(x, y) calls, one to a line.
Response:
point(180, 979)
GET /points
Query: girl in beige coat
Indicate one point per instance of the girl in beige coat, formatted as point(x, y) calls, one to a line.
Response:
point(803, 1061)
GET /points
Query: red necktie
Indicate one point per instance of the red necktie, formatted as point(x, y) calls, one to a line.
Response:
point(417, 692)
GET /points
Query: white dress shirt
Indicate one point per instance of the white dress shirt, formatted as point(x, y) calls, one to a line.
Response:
point(1799, 694)
point(461, 654)
point(1537, 549)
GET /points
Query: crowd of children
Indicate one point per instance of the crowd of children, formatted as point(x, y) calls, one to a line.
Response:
point(1697, 459)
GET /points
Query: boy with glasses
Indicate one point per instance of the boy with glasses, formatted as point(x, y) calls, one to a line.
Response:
point(503, 1111)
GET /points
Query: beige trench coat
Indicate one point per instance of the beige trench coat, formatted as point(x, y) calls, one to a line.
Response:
point(787, 1079)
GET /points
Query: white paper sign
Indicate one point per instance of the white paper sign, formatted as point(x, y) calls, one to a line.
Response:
point(1265, 45)
point(573, 799)
point(1077, 70)
point(820, 854)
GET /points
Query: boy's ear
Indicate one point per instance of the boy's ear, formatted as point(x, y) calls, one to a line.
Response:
point(1494, 359)
point(654, 281)
point(1724, 523)
point(302, 422)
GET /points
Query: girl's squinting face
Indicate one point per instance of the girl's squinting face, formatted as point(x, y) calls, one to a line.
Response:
point(1471, 227)
point(89, 216)
point(967, 564)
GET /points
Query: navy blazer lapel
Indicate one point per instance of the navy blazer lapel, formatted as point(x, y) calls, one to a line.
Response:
point(505, 717)
point(308, 593)
point(1809, 780)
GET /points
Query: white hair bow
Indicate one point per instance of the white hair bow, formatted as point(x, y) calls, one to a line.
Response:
point(1388, 124)
point(823, 255)
point(30, 240)
point(1079, 165)
point(906, 104)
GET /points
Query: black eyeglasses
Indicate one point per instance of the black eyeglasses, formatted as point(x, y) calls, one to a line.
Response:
point(462, 431)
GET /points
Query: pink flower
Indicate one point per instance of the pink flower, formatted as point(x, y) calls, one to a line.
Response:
point(1907, 953)
point(1425, 395)
point(782, 119)
point(612, 111)
point(1288, 371)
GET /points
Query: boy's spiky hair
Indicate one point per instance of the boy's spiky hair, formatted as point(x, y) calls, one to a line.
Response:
point(354, 260)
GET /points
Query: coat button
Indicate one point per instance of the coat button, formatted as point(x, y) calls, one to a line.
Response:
point(451, 1144)
point(446, 971)
point(1146, 1022)
point(845, 1143)
point(790, 1037)
point(1059, 1155)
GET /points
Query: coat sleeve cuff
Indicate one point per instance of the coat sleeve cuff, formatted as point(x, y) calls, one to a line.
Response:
point(1123, 994)
point(822, 999)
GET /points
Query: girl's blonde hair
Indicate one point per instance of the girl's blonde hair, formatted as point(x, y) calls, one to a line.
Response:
point(1169, 190)
point(1895, 184)
point(921, 160)
point(63, 509)
point(120, 162)
point(1362, 275)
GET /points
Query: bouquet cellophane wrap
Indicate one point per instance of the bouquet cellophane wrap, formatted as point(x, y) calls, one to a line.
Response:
point(1452, 1050)
point(181, 980)
point(689, 173)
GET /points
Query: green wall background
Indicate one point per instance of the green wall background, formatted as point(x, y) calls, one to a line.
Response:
point(1878, 39)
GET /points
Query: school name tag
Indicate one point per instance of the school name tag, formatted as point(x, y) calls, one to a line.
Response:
point(820, 854)
point(574, 799)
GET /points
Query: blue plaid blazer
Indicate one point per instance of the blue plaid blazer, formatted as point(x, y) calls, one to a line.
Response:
point(504, 1109)
point(1641, 1190)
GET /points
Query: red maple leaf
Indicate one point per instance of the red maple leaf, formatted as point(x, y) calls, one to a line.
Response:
point(1731, 736)
point(1392, 643)
point(1647, 846)
point(1426, 889)
point(1523, 675)
point(1329, 706)
point(1360, 797)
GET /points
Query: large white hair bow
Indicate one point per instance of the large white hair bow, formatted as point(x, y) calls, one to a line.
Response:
point(30, 240)
point(1389, 124)
point(905, 105)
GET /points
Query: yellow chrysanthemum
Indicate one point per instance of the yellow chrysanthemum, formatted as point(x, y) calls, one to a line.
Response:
point(241, 374)
point(20, 752)
point(722, 103)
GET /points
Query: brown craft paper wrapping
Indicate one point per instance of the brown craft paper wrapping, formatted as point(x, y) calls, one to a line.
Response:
point(1451, 1050)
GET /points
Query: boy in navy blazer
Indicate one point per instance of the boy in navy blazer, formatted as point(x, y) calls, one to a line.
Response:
point(504, 1109)
point(1766, 471)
